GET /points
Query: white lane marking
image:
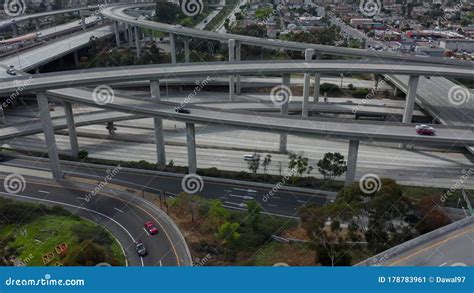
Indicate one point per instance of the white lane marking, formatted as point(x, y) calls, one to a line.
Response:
point(443, 264)
point(161, 264)
point(243, 189)
point(272, 205)
point(265, 213)
point(146, 231)
point(301, 201)
point(241, 204)
point(241, 196)
point(77, 207)
point(43, 191)
point(118, 210)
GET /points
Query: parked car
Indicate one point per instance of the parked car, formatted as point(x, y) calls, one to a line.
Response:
point(150, 227)
point(140, 248)
point(424, 129)
point(11, 70)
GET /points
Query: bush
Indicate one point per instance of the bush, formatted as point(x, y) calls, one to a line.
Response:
point(360, 93)
point(83, 154)
point(91, 233)
point(328, 88)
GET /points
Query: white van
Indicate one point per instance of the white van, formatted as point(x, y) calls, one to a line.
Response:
point(249, 158)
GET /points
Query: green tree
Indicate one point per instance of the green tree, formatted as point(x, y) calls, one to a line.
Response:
point(332, 165)
point(254, 164)
point(253, 219)
point(228, 234)
point(266, 162)
point(299, 163)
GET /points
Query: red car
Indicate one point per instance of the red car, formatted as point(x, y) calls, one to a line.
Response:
point(425, 130)
point(150, 228)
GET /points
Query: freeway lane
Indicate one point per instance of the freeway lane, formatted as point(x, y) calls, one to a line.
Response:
point(325, 128)
point(71, 78)
point(283, 203)
point(117, 13)
point(124, 218)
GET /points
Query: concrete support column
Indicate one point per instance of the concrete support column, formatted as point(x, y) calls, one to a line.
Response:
point(37, 70)
point(159, 138)
point(238, 58)
point(191, 144)
point(186, 49)
point(410, 99)
point(173, 49)
point(352, 162)
point(15, 30)
point(231, 44)
point(71, 127)
point(37, 23)
point(48, 130)
point(83, 22)
point(130, 37)
point(137, 40)
point(76, 58)
point(284, 111)
point(117, 33)
point(317, 86)
point(3, 120)
point(308, 55)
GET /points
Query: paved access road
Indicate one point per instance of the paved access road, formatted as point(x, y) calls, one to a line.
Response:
point(123, 216)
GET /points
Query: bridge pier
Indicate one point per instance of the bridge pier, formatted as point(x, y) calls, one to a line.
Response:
point(130, 37)
point(191, 144)
point(48, 130)
point(117, 33)
point(3, 120)
point(186, 49)
point(173, 49)
point(284, 112)
point(351, 162)
point(231, 44)
point(83, 22)
point(71, 127)
point(317, 86)
point(15, 30)
point(158, 122)
point(37, 23)
point(76, 58)
point(410, 98)
point(137, 41)
point(238, 58)
point(308, 55)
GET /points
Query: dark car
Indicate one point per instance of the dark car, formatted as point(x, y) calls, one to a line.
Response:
point(182, 110)
point(141, 249)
